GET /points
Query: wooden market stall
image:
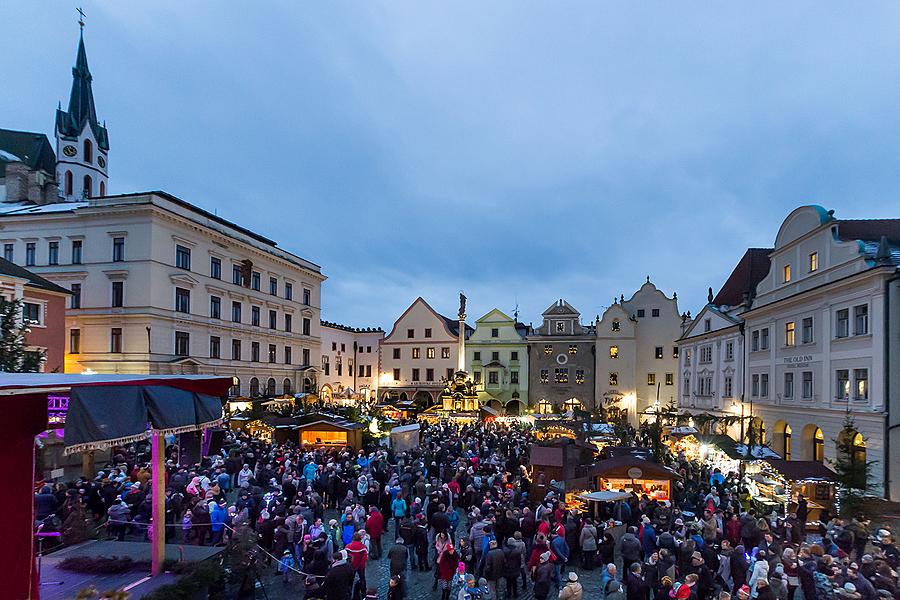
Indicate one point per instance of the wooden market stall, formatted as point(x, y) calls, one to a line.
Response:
point(329, 431)
point(405, 437)
point(779, 482)
point(634, 474)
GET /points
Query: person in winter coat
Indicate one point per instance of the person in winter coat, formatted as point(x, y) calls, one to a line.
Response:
point(763, 591)
point(630, 547)
point(446, 566)
point(760, 571)
point(587, 541)
point(572, 590)
point(648, 537)
point(544, 577)
point(244, 476)
point(560, 549)
point(609, 575)
point(514, 560)
point(375, 528)
point(494, 566)
point(339, 579)
point(739, 568)
point(615, 591)
point(636, 587)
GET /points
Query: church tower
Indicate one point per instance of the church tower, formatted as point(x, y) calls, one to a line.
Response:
point(82, 143)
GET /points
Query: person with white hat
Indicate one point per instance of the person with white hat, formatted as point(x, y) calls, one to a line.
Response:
point(572, 590)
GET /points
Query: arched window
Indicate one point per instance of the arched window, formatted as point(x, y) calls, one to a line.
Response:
point(818, 446)
point(88, 186)
point(102, 188)
point(572, 404)
point(287, 388)
point(787, 442)
point(307, 384)
point(69, 185)
point(270, 387)
point(545, 407)
point(254, 387)
point(88, 151)
point(235, 389)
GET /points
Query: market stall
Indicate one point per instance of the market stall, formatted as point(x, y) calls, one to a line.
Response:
point(405, 437)
point(776, 485)
point(328, 431)
point(633, 474)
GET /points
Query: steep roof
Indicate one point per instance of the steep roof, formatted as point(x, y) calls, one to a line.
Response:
point(81, 110)
point(749, 271)
point(32, 149)
point(560, 307)
point(869, 230)
point(34, 280)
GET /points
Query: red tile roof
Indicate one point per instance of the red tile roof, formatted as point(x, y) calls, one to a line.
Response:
point(750, 270)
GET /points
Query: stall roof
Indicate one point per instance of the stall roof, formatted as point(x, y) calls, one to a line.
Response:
point(737, 451)
point(620, 465)
point(605, 496)
point(799, 470)
point(405, 428)
point(316, 418)
point(34, 383)
point(547, 456)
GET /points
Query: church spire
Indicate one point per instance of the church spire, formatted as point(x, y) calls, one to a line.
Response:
point(81, 109)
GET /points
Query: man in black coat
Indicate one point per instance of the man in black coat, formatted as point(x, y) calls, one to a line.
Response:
point(339, 579)
point(636, 587)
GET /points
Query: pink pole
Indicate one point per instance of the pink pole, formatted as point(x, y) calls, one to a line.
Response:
point(158, 490)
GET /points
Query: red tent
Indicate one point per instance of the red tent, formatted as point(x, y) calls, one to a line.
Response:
point(25, 395)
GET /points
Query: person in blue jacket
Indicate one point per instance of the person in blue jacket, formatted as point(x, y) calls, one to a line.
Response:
point(648, 536)
point(217, 515)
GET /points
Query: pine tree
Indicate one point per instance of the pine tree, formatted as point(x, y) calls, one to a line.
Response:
point(14, 358)
point(853, 475)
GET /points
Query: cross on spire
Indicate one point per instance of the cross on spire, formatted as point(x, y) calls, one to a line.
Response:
point(80, 18)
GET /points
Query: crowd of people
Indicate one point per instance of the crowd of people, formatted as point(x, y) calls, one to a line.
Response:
point(459, 508)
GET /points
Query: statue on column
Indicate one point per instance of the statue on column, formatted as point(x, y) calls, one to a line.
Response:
point(462, 307)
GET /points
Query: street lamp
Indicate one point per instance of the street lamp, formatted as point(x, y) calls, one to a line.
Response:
point(734, 407)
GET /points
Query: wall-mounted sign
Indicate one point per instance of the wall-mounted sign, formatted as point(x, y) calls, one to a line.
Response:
point(635, 473)
point(800, 360)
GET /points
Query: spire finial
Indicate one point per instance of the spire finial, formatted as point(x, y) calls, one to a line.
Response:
point(709, 296)
point(81, 16)
point(648, 279)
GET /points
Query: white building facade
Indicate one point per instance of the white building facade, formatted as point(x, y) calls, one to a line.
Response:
point(418, 355)
point(161, 286)
point(711, 350)
point(349, 361)
point(818, 343)
point(637, 355)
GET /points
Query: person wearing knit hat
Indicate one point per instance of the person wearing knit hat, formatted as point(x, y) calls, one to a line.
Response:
point(848, 592)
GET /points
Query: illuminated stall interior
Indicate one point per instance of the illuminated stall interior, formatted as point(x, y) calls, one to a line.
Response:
point(633, 474)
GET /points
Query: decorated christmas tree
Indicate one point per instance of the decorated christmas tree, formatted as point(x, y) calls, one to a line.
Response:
point(14, 356)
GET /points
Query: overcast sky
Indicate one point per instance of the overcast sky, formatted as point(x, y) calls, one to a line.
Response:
point(519, 151)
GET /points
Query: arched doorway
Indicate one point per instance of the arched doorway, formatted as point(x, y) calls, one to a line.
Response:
point(287, 388)
point(270, 387)
point(254, 387)
point(514, 408)
point(782, 442)
point(235, 389)
point(496, 405)
point(756, 432)
point(811, 445)
point(423, 399)
point(307, 385)
point(403, 397)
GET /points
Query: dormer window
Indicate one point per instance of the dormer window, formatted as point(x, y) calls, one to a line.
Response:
point(88, 151)
point(560, 327)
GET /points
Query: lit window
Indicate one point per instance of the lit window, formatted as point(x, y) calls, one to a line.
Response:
point(613, 379)
point(789, 339)
point(659, 352)
point(429, 353)
point(579, 376)
point(813, 262)
point(670, 379)
point(548, 349)
point(614, 352)
point(445, 352)
point(786, 273)
point(573, 349)
point(651, 378)
point(416, 353)
point(861, 377)
point(545, 376)
point(561, 375)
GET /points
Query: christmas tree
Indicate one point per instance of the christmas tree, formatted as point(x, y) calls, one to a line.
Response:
point(853, 471)
point(14, 357)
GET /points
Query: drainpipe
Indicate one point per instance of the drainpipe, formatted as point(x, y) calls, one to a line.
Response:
point(887, 390)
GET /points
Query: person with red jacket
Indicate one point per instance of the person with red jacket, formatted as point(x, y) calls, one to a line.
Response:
point(375, 529)
point(359, 556)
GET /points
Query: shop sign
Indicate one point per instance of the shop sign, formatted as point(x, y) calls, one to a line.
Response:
point(801, 360)
point(635, 473)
